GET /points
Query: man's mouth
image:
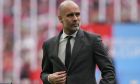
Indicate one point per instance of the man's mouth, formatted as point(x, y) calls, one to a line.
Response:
point(75, 25)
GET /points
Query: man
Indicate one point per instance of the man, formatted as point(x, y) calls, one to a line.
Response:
point(61, 65)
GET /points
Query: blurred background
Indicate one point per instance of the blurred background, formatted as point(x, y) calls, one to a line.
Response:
point(26, 24)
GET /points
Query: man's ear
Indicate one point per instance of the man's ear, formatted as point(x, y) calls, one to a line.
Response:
point(60, 19)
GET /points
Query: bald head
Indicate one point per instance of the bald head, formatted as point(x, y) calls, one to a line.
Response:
point(65, 4)
point(69, 16)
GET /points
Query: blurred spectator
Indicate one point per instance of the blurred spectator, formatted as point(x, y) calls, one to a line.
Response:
point(8, 33)
point(43, 6)
point(125, 11)
point(7, 67)
point(8, 7)
point(25, 8)
point(93, 11)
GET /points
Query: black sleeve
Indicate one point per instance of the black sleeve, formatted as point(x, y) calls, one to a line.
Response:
point(46, 65)
point(104, 63)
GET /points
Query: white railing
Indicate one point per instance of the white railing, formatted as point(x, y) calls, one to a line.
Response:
point(1, 40)
point(33, 29)
point(52, 18)
point(117, 10)
point(84, 11)
point(102, 10)
point(17, 42)
point(134, 10)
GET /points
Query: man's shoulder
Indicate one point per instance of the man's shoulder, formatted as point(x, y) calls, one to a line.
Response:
point(92, 38)
point(91, 34)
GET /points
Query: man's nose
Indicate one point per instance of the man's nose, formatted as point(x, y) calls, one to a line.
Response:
point(75, 17)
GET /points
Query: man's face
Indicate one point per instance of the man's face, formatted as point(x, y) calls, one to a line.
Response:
point(70, 18)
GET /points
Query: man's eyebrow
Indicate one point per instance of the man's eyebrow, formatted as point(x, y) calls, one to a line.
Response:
point(71, 14)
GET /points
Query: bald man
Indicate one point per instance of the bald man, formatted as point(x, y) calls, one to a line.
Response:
point(71, 57)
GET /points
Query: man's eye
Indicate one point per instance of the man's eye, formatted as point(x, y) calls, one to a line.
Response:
point(77, 14)
point(70, 15)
